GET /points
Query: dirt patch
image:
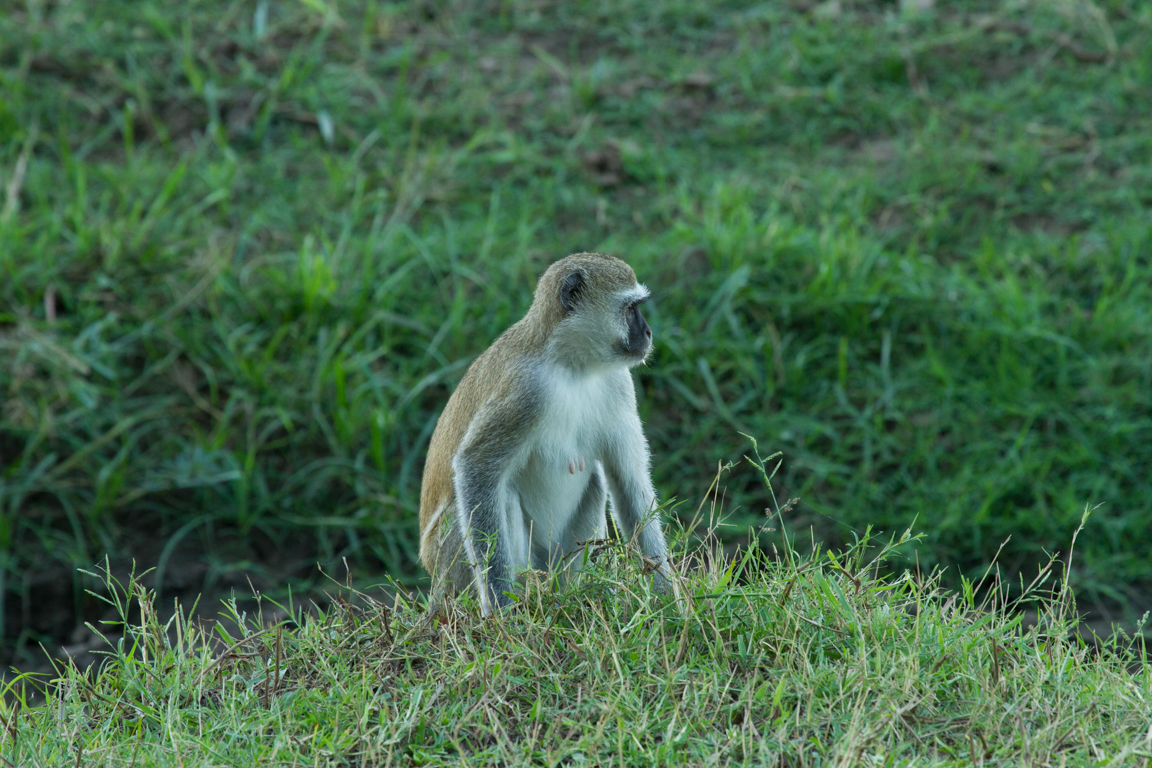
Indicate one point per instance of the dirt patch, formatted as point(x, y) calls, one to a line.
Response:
point(59, 615)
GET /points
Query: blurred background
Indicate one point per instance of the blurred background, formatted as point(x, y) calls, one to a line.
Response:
point(247, 249)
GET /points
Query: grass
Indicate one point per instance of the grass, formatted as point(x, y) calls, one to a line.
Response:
point(768, 659)
point(246, 249)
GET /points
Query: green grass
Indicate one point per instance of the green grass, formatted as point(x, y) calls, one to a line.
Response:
point(249, 248)
point(806, 660)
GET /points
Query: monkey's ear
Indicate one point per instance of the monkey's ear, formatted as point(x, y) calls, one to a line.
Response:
point(571, 290)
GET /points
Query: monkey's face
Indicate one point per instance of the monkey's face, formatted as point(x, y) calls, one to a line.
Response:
point(637, 341)
point(628, 337)
point(603, 328)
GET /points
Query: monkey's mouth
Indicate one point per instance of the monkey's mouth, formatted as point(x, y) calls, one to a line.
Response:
point(636, 353)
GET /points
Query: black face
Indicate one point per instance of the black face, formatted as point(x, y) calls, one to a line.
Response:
point(639, 337)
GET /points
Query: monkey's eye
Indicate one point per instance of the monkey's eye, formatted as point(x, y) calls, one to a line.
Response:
point(631, 311)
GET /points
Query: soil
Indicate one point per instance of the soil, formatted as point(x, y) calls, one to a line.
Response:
point(62, 616)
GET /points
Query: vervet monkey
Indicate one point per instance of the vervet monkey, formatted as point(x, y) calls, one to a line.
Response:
point(540, 432)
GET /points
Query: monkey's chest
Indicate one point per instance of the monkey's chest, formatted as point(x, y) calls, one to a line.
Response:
point(553, 486)
point(554, 481)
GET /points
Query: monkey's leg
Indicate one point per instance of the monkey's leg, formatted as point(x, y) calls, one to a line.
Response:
point(452, 575)
point(587, 524)
point(515, 529)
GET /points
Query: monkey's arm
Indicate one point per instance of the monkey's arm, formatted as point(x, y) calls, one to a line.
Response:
point(482, 466)
point(626, 464)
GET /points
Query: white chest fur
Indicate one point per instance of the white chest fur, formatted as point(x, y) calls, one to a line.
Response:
point(579, 415)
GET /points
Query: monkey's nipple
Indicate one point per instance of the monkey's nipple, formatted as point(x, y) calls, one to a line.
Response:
point(572, 465)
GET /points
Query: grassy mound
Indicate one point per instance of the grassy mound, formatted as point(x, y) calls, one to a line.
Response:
point(775, 658)
point(810, 659)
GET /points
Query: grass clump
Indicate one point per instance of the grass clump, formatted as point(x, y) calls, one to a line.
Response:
point(770, 659)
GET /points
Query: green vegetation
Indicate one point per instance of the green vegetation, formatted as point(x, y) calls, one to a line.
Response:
point(247, 248)
point(808, 661)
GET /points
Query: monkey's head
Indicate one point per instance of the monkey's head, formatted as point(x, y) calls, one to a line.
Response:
point(590, 305)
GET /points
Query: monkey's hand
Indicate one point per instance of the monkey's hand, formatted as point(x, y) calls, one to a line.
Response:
point(491, 584)
point(499, 588)
point(661, 570)
point(490, 566)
